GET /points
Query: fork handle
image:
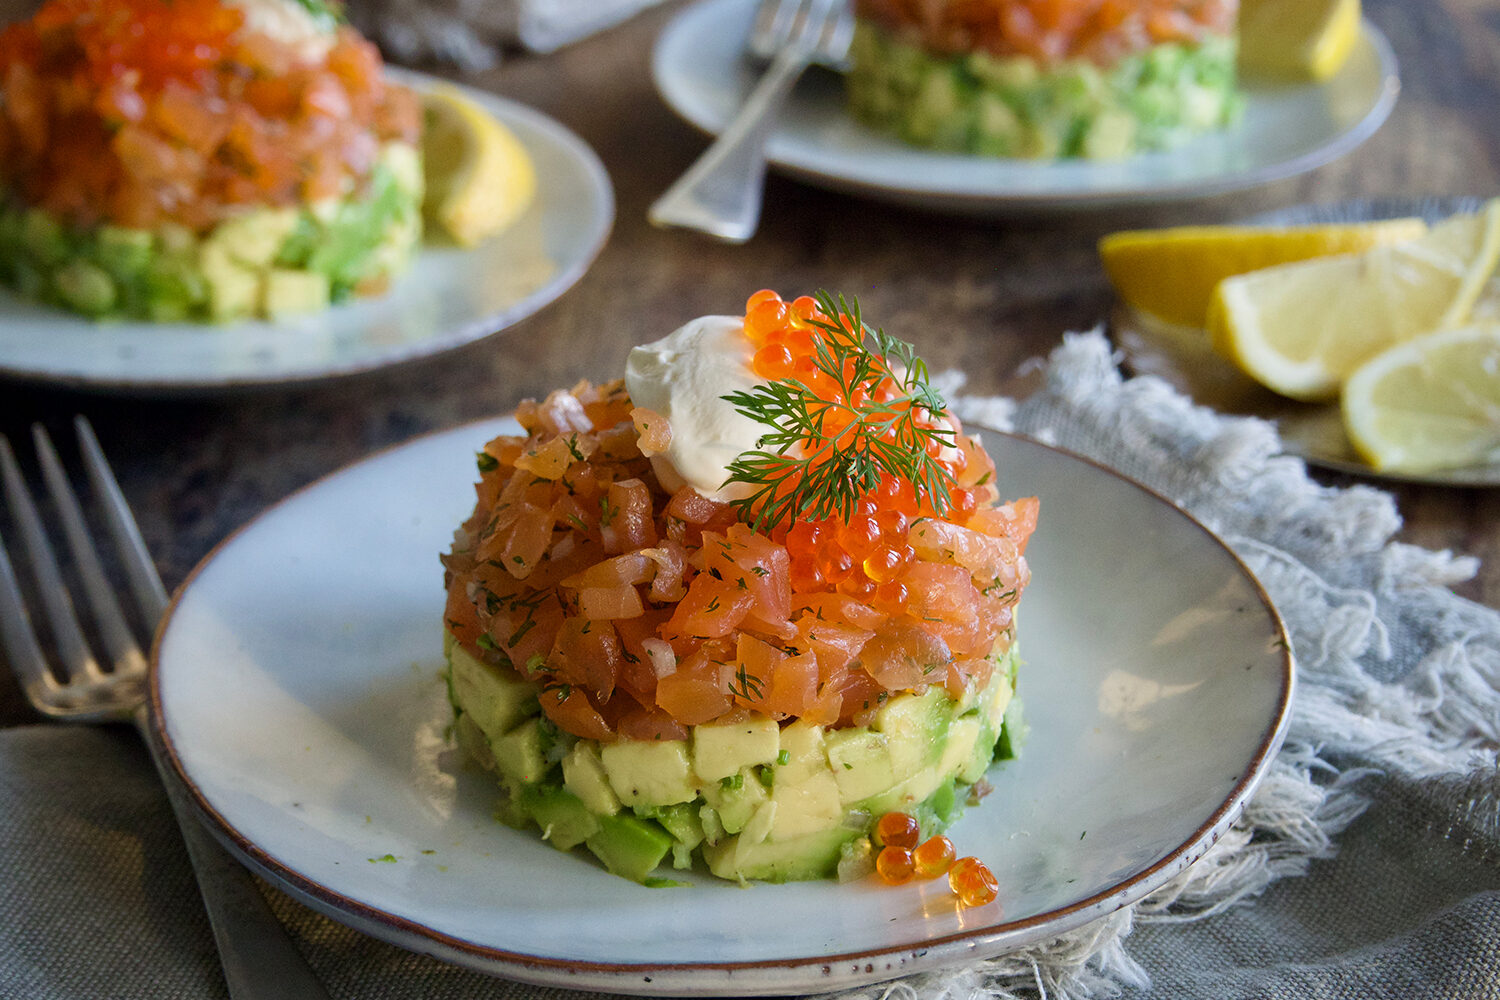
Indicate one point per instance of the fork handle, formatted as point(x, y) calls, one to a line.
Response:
point(259, 959)
point(720, 194)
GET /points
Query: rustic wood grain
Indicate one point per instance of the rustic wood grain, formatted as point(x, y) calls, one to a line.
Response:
point(982, 295)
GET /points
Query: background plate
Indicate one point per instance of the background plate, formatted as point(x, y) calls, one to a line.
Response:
point(449, 297)
point(296, 685)
point(701, 71)
point(1313, 432)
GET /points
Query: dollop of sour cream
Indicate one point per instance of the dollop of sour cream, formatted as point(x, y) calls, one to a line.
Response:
point(290, 23)
point(684, 377)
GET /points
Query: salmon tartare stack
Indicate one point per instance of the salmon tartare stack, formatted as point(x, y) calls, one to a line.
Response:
point(1097, 79)
point(202, 160)
point(740, 605)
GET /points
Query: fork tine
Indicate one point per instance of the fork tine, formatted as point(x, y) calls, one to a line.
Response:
point(145, 584)
point(124, 652)
point(16, 635)
point(58, 607)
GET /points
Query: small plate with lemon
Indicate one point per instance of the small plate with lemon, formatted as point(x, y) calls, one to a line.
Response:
point(516, 209)
point(1368, 331)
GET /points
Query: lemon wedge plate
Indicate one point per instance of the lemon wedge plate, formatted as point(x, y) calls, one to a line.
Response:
point(1314, 431)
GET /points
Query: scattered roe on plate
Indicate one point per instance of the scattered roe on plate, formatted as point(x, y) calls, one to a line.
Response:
point(143, 112)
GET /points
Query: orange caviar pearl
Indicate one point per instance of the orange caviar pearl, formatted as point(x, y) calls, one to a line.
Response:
point(893, 525)
point(764, 319)
point(897, 495)
point(773, 361)
point(860, 535)
point(933, 857)
point(972, 881)
point(883, 564)
point(804, 307)
point(834, 563)
point(894, 865)
point(802, 538)
point(858, 585)
point(764, 295)
point(898, 829)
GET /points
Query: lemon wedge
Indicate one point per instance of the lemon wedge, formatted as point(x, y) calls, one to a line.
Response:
point(1300, 329)
point(1430, 403)
point(479, 176)
point(1296, 40)
point(1171, 273)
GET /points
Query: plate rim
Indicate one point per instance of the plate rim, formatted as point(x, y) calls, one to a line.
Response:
point(789, 976)
point(969, 199)
point(476, 329)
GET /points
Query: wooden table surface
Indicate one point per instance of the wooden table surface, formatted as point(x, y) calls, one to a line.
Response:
point(984, 295)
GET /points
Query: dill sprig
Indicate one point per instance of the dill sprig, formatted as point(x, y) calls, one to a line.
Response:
point(821, 455)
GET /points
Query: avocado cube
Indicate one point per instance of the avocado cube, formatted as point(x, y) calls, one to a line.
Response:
point(735, 799)
point(906, 794)
point(860, 762)
point(289, 292)
point(85, 287)
point(583, 775)
point(253, 238)
point(959, 749)
point(473, 741)
point(497, 697)
point(233, 289)
point(46, 243)
point(804, 752)
point(721, 749)
point(805, 805)
point(519, 755)
point(915, 727)
point(814, 855)
point(565, 821)
point(681, 821)
point(629, 846)
point(649, 773)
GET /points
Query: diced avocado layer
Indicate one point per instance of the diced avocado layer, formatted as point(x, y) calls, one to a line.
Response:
point(753, 799)
point(1013, 107)
point(264, 263)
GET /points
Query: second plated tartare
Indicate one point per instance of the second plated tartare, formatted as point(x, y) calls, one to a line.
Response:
point(202, 159)
point(741, 605)
point(1097, 79)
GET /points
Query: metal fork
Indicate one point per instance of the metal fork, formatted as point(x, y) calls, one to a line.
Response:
point(260, 962)
point(720, 194)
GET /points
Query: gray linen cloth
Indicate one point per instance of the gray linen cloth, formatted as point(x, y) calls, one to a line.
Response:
point(1367, 864)
point(471, 33)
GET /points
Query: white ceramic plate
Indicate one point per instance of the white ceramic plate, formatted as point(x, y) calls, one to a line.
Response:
point(448, 298)
point(701, 71)
point(296, 684)
point(1313, 432)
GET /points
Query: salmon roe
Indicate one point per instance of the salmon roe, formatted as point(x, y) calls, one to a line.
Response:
point(933, 857)
point(902, 859)
point(896, 829)
point(144, 112)
point(973, 882)
point(865, 556)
